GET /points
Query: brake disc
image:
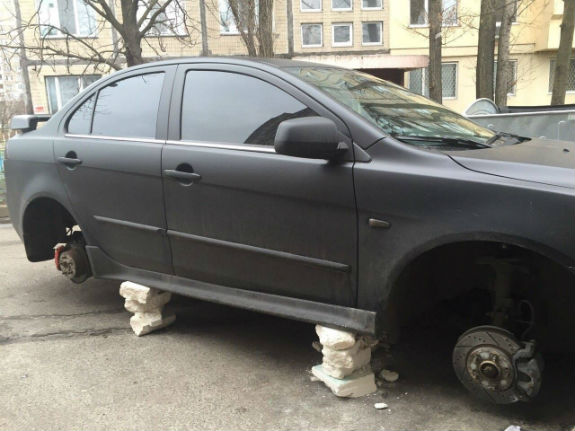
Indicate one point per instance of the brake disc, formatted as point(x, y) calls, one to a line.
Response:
point(494, 366)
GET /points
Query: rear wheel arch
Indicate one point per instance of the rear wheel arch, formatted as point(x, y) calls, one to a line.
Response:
point(45, 222)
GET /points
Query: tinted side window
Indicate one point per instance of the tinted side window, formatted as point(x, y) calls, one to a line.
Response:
point(229, 107)
point(129, 107)
point(81, 119)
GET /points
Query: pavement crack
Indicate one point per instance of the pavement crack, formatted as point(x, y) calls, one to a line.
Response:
point(49, 316)
point(63, 334)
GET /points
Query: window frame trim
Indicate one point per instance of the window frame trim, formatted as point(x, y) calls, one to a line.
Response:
point(61, 35)
point(426, 25)
point(321, 35)
point(57, 84)
point(380, 33)
point(342, 44)
point(311, 10)
point(550, 84)
point(175, 104)
point(163, 107)
point(372, 8)
point(337, 9)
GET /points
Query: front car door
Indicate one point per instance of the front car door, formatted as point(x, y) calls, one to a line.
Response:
point(240, 215)
point(109, 158)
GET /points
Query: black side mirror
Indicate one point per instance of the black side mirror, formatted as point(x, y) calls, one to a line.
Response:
point(310, 138)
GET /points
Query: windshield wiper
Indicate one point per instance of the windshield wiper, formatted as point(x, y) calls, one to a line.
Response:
point(505, 137)
point(470, 143)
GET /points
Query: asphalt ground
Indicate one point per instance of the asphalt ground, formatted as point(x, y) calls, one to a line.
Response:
point(69, 360)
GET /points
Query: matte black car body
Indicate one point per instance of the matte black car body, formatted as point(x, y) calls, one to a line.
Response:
point(316, 240)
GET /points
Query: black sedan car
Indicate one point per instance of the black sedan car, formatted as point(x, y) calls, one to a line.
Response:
point(311, 192)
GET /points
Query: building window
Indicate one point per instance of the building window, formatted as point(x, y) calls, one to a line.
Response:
point(371, 4)
point(512, 87)
point(341, 5)
point(310, 5)
point(372, 33)
point(227, 21)
point(419, 81)
point(570, 75)
point(60, 89)
point(311, 35)
point(60, 17)
point(342, 34)
point(170, 22)
point(419, 8)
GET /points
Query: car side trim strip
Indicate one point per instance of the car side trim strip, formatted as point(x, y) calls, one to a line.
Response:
point(116, 138)
point(254, 148)
point(253, 249)
point(353, 319)
point(129, 224)
point(222, 146)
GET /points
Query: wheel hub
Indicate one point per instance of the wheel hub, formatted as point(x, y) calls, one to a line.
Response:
point(67, 266)
point(490, 367)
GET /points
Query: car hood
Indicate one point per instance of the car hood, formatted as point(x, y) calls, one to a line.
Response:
point(537, 160)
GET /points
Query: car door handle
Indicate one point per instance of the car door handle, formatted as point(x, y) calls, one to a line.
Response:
point(182, 175)
point(69, 161)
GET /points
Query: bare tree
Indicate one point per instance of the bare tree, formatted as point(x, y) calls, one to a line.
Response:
point(254, 22)
point(485, 50)
point(138, 23)
point(562, 63)
point(504, 67)
point(435, 22)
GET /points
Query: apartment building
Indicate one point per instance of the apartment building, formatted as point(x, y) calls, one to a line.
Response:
point(351, 33)
point(534, 42)
point(387, 38)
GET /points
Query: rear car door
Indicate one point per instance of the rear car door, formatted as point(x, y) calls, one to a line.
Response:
point(109, 159)
point(240, 215)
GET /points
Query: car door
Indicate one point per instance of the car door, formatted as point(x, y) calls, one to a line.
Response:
point(240, 215)
point(109, 159)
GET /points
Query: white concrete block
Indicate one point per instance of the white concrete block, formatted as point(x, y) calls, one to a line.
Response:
point(137, 292)
point(360, 383)
point(342, 363)
point(156, 302)
point(144, 323)
point(335, 339)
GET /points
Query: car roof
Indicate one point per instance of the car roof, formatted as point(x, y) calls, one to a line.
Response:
point(278, 63)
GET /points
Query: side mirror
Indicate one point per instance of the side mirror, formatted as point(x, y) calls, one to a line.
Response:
point(27, 123)
point(310, 138)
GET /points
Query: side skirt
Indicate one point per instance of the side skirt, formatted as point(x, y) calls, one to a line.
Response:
point(356, 320)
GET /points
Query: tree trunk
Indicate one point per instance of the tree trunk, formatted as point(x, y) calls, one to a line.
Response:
point(503, 76)
point(265, 28)
point(28, 106)
point(563, 53)
point(131, 33)
point(485, 51)
point(435, 18)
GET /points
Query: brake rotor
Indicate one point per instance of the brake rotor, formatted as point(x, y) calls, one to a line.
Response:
point(494, 366)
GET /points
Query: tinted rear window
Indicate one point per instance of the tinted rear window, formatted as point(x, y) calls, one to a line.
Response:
point(129, 107)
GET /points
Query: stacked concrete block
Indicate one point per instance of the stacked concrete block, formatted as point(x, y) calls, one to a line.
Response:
point(345, 367)
point(147, 304)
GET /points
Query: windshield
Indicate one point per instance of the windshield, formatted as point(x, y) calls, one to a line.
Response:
point(398, 112)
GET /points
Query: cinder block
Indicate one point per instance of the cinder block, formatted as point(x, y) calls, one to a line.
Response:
point(358, 384)
point(137, 292)
point(154, 303)
point(342, 363)
point(144, 323)
point(335, 339)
